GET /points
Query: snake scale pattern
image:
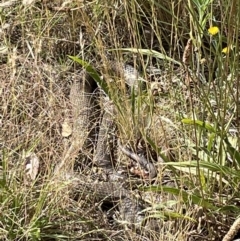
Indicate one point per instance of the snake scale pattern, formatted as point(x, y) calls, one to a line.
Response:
point(130, 206)
point(83, 108)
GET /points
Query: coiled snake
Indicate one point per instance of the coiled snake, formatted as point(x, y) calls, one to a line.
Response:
point(83, 102)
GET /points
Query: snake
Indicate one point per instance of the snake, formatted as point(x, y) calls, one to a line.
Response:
point(82, 99)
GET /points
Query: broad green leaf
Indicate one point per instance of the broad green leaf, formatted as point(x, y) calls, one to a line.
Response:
point(211, 141)
point(167, 215)
point(157, 149)
point(202, 179)
point(234, 153)
point(177, 215)
point(93, 73)
point(214, 167)
point(162, 205)
point(187, 197)
point(149, 52)
point(229, 208)
point(199, 123)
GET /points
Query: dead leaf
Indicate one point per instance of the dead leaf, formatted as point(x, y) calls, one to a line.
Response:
point(66, 129)
point(27, 2)
point(32, 165)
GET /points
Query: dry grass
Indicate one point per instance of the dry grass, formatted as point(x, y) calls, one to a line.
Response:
point(36, 75)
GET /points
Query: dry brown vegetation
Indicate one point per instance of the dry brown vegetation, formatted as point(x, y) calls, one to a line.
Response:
point(184, 128)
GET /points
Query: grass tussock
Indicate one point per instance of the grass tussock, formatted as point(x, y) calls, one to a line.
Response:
point(185, 120)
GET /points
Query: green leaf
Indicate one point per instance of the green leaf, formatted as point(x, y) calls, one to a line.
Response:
point(234, 153)
point(211, 140)
point(214, 167)
point(149, 52)
point(177, 215)
point(199, 123)
point(157, 149)
point(229, 208)
point(169, 215)
point(202, 179)
point(187, 197)
point(93, 73)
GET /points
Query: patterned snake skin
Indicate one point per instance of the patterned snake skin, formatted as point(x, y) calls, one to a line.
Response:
point(103, 154)
point(82, 100)
point(130, 207)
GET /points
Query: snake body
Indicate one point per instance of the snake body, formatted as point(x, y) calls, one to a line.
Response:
point(83, 105)
point(82, 100)
point(103, 156)
point(130, 207)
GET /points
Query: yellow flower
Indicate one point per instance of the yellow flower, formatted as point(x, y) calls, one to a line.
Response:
point(213, 30)
point(225, 50)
